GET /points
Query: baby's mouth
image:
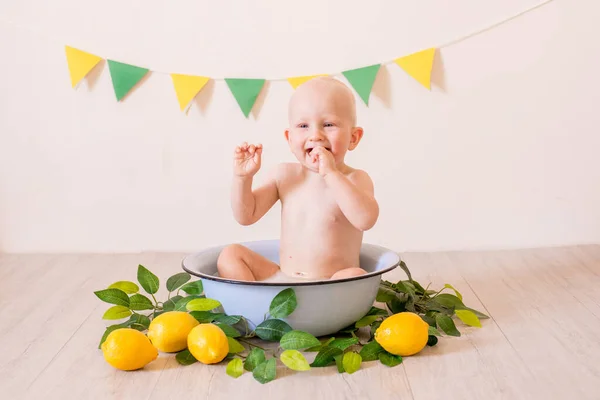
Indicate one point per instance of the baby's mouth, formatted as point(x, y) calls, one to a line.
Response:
point(309, 151)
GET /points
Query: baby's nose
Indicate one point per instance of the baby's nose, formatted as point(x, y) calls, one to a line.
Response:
point(317, 135)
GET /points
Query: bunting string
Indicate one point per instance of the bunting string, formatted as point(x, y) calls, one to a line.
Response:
point(245, 91)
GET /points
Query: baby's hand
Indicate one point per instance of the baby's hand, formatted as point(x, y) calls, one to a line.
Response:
point(325, 159)
point(246, 159)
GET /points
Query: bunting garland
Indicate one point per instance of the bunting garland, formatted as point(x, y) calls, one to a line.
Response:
point(362, 80)
point(418, 65)
point(125, 77)
point(80, 63)
point(245, 91)
point(187, 87)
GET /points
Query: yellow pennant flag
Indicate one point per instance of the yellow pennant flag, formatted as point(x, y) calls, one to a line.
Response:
point(80, 63)
point(418, 65)
point(187, 87)
point(299, 80)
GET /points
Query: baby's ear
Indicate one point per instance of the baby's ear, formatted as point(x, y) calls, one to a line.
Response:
point(357, 134)
point(287, 135)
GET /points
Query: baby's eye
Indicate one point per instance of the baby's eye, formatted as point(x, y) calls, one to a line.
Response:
point(328, 124)
point(302, 126)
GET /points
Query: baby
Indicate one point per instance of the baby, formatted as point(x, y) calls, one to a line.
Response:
point(325, 204)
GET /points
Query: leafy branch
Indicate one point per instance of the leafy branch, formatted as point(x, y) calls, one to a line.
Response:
point(344, 349)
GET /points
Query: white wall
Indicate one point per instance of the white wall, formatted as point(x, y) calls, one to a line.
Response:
point(502, 153)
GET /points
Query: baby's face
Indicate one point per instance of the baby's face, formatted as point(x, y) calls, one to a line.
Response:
point(322, 114)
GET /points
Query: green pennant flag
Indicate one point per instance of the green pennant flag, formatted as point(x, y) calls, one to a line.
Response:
point(245, 91)
point(124, 77)
point(362, 80)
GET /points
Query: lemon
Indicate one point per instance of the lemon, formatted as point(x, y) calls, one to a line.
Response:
point(208, 343)
point(403, 334)
point(127, 349)
point(168, 332)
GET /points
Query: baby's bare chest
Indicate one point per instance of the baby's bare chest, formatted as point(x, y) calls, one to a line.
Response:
point(311, 205)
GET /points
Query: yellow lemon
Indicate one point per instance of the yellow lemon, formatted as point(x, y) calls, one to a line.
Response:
point(403, 334)
point(169, 331)
point(208, 343)
point(127, 349)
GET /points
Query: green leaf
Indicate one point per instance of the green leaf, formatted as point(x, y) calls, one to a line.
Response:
point(378, 311)
point(140, 302)
point(326, 356)
point(235, 368)
point(389, 359)
point(351, 362)
point(432, 340)
point(147, 279)
point(371, 351)
point(406, 270)
point(385, 294)
point(406, 287)
point(418, 288)
point(230, 331)
point(374, 326)
point(126, 286)
point(446, 324)
point(398, 303)
point(435, 308)
point(449, 286)
point(366, 320)
point(181, 304)
point(202, 305)
point(429, 319)
point(283, 304)
point(272, 330)
point(113, 296)
point(468, 318)
point(293, 359)
point(169, 305)
point(297, 340)
point(266, 371)
point(255, 357)
point(228, 319)
point(184, 357)
point(177, 280)
point(344, 343)
point(479, 314)
point(204, 317)
point(139, 322)
point(339, 363)
point(194, 287)
point(434, 332)
point(448, 300)
point(319, 347)
point(235, 346)
point(117, 312)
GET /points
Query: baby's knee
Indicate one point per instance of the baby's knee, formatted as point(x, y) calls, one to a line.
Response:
point(348, 273)
point(230, 252)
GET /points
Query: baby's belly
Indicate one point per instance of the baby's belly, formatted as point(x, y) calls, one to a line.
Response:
point(310, 255)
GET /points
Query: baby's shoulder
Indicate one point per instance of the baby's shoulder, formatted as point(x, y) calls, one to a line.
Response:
point(359, 177)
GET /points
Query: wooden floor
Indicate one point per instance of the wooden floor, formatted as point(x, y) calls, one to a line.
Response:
point(542, 342)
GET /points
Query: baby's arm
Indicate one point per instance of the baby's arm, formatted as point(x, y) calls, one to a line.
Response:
point(250, 205)
point(354, 195)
